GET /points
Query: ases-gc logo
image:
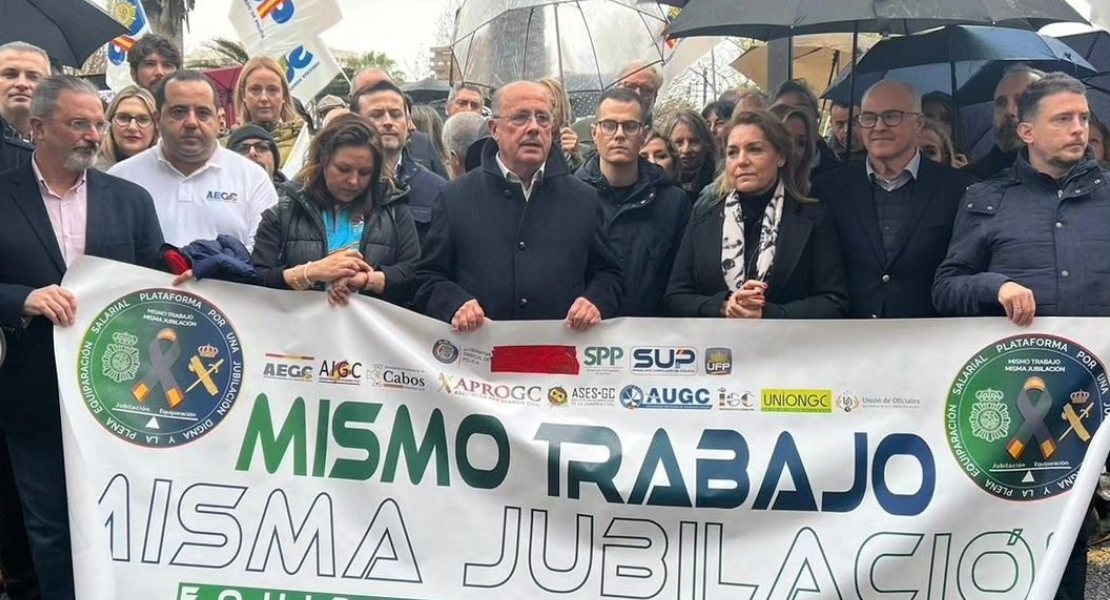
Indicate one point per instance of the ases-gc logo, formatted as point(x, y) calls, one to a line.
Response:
point(1021, 413)
point(160, 368)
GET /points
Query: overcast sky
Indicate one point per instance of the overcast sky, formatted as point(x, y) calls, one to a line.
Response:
point(403, 29)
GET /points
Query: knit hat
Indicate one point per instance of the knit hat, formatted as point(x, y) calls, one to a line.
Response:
point(254, 132)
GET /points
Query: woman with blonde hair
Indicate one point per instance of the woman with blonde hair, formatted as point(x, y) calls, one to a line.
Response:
point(133, 128)
point(562, 118)
point(756, 247)
point(936, 145)
point(262, 98)
point(803, 140)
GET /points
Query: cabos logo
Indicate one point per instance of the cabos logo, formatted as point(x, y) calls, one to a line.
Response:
point(281, 10)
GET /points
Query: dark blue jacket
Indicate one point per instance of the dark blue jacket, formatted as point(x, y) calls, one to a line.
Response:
point(423, 187)
point(520, 259)
point(1023, 226)
point(13, 151)
point(902, 287)
point(645, 231)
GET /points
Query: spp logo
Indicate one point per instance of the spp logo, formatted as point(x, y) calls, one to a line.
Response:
point(603, 356)
point(281, 10)
point(664, 361)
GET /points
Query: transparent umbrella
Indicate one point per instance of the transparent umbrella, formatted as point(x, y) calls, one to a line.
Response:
point(585, 43)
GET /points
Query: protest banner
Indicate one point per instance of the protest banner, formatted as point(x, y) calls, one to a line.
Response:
point(230, 442)
point(132, 15)
point(274, 27)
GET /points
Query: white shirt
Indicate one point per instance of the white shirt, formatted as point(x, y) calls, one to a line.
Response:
point(909, 173)
point(514, 178)
point(225, 196)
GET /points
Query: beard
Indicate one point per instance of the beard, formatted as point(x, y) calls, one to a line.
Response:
point(81, 158)
point(1006, 136)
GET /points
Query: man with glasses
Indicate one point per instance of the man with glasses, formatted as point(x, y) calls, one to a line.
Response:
point(383, 104)
point(518, 238)
point(257, 144)
point(201, 189)
point(893, 210)
point(645, 80)
point(53, 210)
point(465, 97)
point(644, 213)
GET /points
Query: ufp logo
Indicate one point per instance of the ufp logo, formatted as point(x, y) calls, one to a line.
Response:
point(280, 10)
point(670, 361)
point(718, 361)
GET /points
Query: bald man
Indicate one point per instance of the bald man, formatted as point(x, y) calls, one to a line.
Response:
point(420, 146)
point(894, 211)
point(488, 257)
point(1007, 144)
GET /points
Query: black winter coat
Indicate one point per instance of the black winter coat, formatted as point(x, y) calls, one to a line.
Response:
point(806, 281)
point(520, 259)
point(645, 231)
point(292, 233)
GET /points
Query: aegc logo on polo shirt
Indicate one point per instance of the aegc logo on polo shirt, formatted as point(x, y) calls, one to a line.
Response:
point(218, 196)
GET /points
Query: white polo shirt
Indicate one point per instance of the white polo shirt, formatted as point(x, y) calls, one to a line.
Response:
point(225, 196)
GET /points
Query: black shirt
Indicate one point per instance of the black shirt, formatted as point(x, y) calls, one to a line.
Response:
point(753, 208)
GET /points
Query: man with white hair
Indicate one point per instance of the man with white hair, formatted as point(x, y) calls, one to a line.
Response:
point(645, 80)
point(460, 132)
point(893, 210)
point(54, 209)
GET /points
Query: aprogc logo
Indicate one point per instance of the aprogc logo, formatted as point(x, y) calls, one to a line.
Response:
point(281, 10)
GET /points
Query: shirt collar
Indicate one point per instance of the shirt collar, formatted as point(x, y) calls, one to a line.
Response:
point(909, 173)
point(513, 178)
point(211, 164)
point(43, 187)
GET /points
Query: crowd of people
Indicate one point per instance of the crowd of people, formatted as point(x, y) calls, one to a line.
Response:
point(740, 211)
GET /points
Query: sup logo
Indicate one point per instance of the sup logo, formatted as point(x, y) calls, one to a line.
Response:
point(280, 10)
point(1021, 413)
point(160, 368)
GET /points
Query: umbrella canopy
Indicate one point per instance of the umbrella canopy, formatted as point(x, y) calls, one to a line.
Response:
point(1095, 47)
point(818, 59)
point(584, 42)
point(965, 61)
point(69, 30)
point(426, 91)
point(773, 19)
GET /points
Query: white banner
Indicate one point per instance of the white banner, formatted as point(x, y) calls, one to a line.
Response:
point(274, 27)
point(229, 442)
point(309, 68)
point(130, 14)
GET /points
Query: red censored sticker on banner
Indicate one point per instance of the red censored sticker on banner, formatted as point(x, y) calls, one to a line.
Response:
point(553, 360)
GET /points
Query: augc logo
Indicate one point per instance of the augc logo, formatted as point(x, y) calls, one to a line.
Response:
point(281, 10)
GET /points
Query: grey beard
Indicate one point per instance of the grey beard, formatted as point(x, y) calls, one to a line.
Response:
point(81, 159)
point(1006, 138)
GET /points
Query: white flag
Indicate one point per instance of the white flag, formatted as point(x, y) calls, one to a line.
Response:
point(131, 15)
point(295, 161)
point(309, 68)
point(274, 27)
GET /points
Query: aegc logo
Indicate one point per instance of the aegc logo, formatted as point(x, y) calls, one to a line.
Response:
point(668, 361)
point(280, 10)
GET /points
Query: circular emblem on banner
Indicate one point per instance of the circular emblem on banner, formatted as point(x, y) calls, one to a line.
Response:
point(160, 368)
point(631, 396)
point(557, 396)
point(1021, 413)
point(445, 352)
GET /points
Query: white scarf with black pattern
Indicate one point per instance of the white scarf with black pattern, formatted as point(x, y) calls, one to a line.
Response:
point(732, 243)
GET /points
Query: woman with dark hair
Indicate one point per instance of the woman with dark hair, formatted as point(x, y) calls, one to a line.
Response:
point(1098, 138)
point(717, 114)
point(803, 140)
point(344, 227)
point(756, 246)
point(697, 151)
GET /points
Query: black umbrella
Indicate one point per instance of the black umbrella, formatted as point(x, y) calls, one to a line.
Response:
point(1095, 47)
point(69, 30)
point(426, 91)
point(773, 19)
point(963, 61)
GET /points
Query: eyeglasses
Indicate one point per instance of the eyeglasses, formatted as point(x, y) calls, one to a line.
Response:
point(609, 126)
point(258, 91)
point(891, 118)
point(87, 126)
point(125, 120)
point(643, 90)
point(522, 118)
point(245, 148)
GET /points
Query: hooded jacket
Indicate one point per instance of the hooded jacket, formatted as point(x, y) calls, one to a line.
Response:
point(645, 230)
point(292, 233)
